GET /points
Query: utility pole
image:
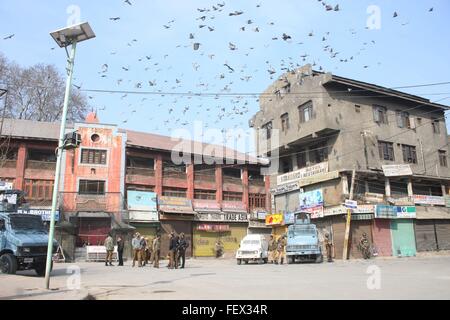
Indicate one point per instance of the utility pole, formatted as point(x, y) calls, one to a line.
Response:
point(349, 219)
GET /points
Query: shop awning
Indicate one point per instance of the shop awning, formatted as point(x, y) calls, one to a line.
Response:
point(432, 213)
point(93, 215)
point(176, 210)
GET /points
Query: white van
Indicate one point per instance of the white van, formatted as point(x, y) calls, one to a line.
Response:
point(254, 247)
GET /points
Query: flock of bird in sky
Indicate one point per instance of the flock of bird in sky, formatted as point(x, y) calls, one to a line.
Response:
point(215, 96)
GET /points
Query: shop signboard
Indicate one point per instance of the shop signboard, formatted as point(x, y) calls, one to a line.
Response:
point(213, 227)
point(5, 185)
point(373, 197)
point(319, 178)
point(285, 188)
point(206, 206)
point(289, 218)
point(365, 216)
point(429, 200)
point(404, 201)
point(274, 219)
point(142, 200)
point(337, 210)
point(222, 217)
point(311, 199)
point(233, 206)
point(397, 170)
point(302, 173)
point(447, 201)
point(175, 205)
point(315, 212)
point(45, 214)
point(351, 204)
point(395, 212)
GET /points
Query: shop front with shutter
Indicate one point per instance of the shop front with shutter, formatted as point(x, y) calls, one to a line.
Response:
point(381, 233)
point(403, 238)
point(425, 235)
point(339, 224)
point(357, 228)
point(443, 234)
point(93, 227)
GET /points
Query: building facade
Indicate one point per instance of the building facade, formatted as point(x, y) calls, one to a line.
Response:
point(317, 128)
point(126, 181)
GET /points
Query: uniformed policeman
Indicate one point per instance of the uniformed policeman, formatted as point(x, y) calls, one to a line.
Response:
point(156, 250)
point(281, 249)
point(329, 247)
point(272, 249)
point(364, 246)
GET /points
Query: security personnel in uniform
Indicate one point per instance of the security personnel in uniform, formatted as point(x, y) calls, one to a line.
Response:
point(272, 249)
point(329, 247)
point(282, 242)
point(156, 250)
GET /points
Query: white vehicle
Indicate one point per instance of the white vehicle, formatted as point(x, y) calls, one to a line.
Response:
point(254, 247)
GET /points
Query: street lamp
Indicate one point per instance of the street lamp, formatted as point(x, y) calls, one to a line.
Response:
point(64, 38)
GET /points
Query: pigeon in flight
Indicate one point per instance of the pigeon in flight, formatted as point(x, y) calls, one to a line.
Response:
point(9, 37)
point(128, 2)
point(114, 19)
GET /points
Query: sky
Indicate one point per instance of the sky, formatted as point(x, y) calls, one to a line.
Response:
point(149, 51)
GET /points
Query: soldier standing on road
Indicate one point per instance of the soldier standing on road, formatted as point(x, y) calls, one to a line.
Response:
point(272, 249)
point(173, 242)
point(329, 247)
point(136, 244)
point(109, 245)
point(144, 251)
point(281, 249)
point(181, 252)
point(120, 247)
point(156, 250)
point(218, 248)
point(364, 246)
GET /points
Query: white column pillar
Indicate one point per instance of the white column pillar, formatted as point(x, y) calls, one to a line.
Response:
point(387, 187)
point(344, 181)
point(410, 188)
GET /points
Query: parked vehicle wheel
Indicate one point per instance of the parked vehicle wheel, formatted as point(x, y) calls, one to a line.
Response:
point(246, 261)
point(261, 261)
point(40, 269)
point(8, 264)
point(319, 258)
point(290, 260)
point(266, 260)
point(239, 261)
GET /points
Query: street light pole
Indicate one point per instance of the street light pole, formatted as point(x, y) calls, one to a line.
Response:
point(60, 150)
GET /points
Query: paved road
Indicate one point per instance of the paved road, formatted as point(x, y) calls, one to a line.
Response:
point(405, 278)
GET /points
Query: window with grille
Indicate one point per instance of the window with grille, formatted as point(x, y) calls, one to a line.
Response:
point(232, 196)
point(403, 119)
point(380, 114)
point(174, 192)
point(92, 187)
point(386, 150)
point(268, 128)
point(93, 156)
point(39, 189)
point(443, 158)
point(257, 201)
point(409, 154)
point(436, 126)
point(285, 122)
point(306, 112)
point(205, 195)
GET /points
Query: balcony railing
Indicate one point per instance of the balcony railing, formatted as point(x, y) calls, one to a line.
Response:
point(41, 165)
point(108, 202)
point(8, 164)
point(141, 171)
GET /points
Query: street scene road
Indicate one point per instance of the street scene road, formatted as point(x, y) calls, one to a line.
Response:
point(207, 279)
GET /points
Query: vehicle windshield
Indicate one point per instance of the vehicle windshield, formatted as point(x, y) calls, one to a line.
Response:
point(302, 230)
point(26, 223)
point(251, 242)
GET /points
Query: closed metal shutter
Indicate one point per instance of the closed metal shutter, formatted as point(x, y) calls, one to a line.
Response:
point(204, 243)
point(403, 239)
point(146, 231)
point(324, 226)
point(382, 241)
point(178, 227)
point(425, 235)
point(443, 234)
point(357, 229)
point(338, 235)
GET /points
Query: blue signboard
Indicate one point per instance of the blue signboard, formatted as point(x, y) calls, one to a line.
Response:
point(44, 213)
point(289, 218)
point(142, 201)
point(311, 199)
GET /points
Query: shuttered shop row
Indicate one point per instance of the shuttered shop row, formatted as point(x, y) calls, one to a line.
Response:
point(432, 235)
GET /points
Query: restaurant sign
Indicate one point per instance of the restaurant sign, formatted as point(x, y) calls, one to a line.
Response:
point(302, 173)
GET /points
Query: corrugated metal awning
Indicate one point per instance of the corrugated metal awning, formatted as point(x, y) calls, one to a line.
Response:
point(432, 213)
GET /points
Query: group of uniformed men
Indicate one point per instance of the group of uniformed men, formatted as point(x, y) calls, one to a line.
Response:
point(277, 252)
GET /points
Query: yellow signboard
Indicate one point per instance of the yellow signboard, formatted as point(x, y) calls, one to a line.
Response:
point(274, 219)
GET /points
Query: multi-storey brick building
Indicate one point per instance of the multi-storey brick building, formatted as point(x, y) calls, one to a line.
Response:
point(126, 180)
point(318, 127)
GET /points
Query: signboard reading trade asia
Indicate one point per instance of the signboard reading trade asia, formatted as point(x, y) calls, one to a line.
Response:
point(274, 219)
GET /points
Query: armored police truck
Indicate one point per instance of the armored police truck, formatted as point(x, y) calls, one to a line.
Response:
point(23, 237)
